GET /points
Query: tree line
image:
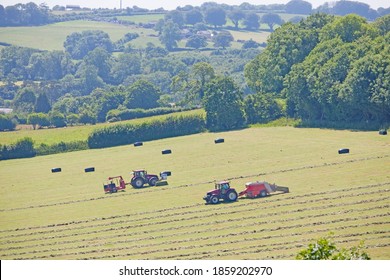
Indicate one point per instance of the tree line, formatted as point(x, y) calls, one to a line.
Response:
point(328, 69)
point(33, 14)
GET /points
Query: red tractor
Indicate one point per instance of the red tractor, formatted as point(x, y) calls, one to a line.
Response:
point(114, 184)
point(261, 189)
point(141, 177)
point(222, 191)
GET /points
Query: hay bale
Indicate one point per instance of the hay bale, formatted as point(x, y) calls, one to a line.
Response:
point(56, 169)
point(344, 151)
point(168, 173)
point(219, 140)
point(165, 152)
point(89, 169)
point(137, 144)
point(383, 132)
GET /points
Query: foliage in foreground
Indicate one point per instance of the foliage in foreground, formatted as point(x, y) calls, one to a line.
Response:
point(325, 249)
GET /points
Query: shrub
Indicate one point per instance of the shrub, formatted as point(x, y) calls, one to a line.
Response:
point(325, 249)
point(123, 134)
point(62, 147)
point(130, 114)
point(6, 123)
point(23, 148)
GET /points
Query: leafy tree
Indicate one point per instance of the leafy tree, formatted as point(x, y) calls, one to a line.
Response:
point(170, 35)
point(223, 104)
point(79, 45)
point(325, 249)
point(2, 15)
point(38, 120)
point(89, 77)
point(24, 101)
point(345, 7)
point(176, 17)
point(14, 61)
point(126, 65)
point(42, 104)
point(101, 59)
point(349, 28)
point(215, 16)
point(250, 44)
point(271, 19)
point(383, 24)
point(172, 66)
point(193, 17)
point(72, 119)
point(87, 117)
point(288, 45)
point(299, 7)
point(196, 42)
point(142, 94)
point(252, 21)
point(261, 108)
point(235, 16)
point(57, 119)
point(6, 123)
point(202, 72)
point(223, 39)
point(152, 51)
point(296, 19)
point(365, 90)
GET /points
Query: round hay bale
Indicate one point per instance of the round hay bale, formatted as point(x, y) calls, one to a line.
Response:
point(383, 132)
point(89, 169)
point(137, 144)
point(56, 169)
point(219, 140)
point(344, 151)
point(165, 152)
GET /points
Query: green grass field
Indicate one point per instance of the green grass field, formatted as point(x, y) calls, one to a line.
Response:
point(71, 133)
point(142, 18)
point(66, 215)
point(52, 36)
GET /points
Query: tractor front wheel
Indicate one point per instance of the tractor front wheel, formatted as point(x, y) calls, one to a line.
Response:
point(138, 182)
point(214, 200)
point(231, 196)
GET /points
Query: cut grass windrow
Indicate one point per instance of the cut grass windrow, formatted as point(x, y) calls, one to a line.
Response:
point(152, 190)
point(282, 203)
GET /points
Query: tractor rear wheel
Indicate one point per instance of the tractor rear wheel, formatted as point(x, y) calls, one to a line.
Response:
point(263, 193)
point(214, 200)
point(153, 181)
point(231, 196)
point(138, 182)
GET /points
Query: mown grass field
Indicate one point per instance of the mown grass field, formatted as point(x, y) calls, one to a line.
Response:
point(72, 133)
point(52, 36)
point(66, 215)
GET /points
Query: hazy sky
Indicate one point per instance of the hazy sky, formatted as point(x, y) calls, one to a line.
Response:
point(172, 4)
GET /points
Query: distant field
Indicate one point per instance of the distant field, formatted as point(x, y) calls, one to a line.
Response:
point(52, 36)
point(71, 133)
point(142, 18)
point(66, 215)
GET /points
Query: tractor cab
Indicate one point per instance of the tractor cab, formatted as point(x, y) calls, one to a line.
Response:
point(222, 186)
point(140, 173)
